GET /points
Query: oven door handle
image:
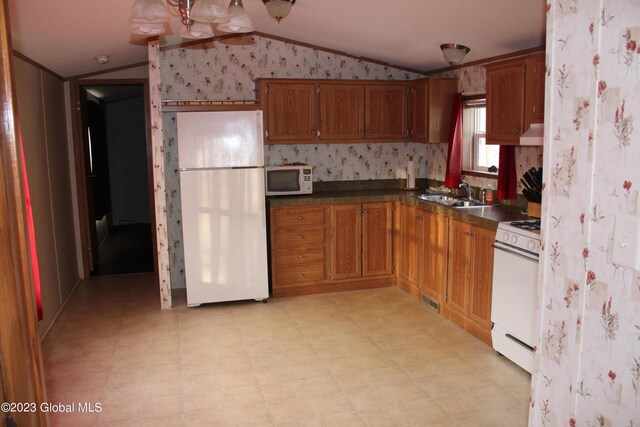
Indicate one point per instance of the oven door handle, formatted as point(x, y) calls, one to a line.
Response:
point(515, 251)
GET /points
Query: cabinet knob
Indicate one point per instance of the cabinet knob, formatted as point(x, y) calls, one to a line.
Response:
point(517, 131)
point(299, 216)
point(300, 256)
point(301, 274)
point(534, 108)
point(364, 211)
point(466, 233)
point(301, 237)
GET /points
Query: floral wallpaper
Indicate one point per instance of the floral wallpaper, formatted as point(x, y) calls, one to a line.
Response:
point(219, 71)
point(587, 365)
point(347, 162)
point(159, 193)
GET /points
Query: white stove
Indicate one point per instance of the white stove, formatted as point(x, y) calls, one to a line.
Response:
point(520, 234)
point(514, 296)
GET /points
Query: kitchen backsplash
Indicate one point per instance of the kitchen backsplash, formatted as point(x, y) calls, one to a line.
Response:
point(344, 162)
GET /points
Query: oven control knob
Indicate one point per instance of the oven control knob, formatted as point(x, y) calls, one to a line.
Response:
point(531, 245)
point(505, 236)
point(514, 239)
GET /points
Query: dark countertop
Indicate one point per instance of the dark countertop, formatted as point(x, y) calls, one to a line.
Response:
point(483, 216)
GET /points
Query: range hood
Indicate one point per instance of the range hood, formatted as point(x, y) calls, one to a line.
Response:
point(533, 136)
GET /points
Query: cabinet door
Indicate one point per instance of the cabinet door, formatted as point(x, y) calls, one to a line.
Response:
point(290, 112)
point(341, 111)
point(482, 277)
point(386, 111)
point(505, 103)
point(420, 111)
point(441, 92)
point(377, 239)
point(346, 241)
point(410, 243)
point(534, 108)
point(459, 268)
point(436, 247)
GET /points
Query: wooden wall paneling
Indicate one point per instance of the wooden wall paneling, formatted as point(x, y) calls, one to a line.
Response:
point(20, 355)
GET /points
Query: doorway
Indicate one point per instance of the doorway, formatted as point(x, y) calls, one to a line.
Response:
point(114, 175)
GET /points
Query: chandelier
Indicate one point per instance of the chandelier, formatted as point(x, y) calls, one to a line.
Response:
point(148, 17)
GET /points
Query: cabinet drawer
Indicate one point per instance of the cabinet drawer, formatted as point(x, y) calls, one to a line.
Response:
point(299, 216)
point(299, 255)
point(299, 236)
point(290, 276)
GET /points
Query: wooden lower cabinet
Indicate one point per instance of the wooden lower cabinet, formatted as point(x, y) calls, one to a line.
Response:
point(328, 248)
point(422, 263)
point(469, 278)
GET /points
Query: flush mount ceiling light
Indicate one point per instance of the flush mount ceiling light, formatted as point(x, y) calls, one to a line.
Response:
point(149, 17)
point(454, 53)
point(278, 9)
point(102, 59)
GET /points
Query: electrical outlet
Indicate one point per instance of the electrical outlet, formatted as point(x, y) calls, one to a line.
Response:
point(626, 241)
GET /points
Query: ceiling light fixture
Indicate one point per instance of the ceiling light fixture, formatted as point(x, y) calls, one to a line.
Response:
point(454, 53)
point(149, 17)
point(102, 59)
point(278, 9)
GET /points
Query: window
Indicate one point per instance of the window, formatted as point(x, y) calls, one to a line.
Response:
point(477, 155)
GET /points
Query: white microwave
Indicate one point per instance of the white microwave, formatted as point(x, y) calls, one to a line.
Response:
point(288, 180)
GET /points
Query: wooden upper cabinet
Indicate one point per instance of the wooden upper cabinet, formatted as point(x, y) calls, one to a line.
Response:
point(432, 103)
point(377, 239)
point(534, 107)
point(515, 97)
point(386, 111)
point(290, 112)
point(505, 103)
point(341, 111)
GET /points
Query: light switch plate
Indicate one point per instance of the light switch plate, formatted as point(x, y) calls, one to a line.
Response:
point(626, 241)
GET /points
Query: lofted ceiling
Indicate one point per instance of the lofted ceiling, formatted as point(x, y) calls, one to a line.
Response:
point(66, 35)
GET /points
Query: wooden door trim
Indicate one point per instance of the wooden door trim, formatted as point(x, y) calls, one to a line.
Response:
point(81, 167)
point(20, 354)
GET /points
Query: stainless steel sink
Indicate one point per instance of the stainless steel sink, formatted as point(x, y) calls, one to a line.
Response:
point(453, 201)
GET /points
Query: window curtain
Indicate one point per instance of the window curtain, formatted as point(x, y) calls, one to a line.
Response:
point(454, 155)
point(33, 253)
point(507, 173)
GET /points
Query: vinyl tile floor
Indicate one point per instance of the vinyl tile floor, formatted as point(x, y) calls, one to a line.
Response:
point(363, 358)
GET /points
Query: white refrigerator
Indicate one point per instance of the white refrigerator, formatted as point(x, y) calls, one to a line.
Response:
point(220, 157)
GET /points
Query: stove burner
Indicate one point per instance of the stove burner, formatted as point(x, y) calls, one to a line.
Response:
point(527, 225)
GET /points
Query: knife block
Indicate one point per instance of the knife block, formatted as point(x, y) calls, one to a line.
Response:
point(533, 210)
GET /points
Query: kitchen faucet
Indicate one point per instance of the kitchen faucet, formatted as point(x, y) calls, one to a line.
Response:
point(464, 184)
